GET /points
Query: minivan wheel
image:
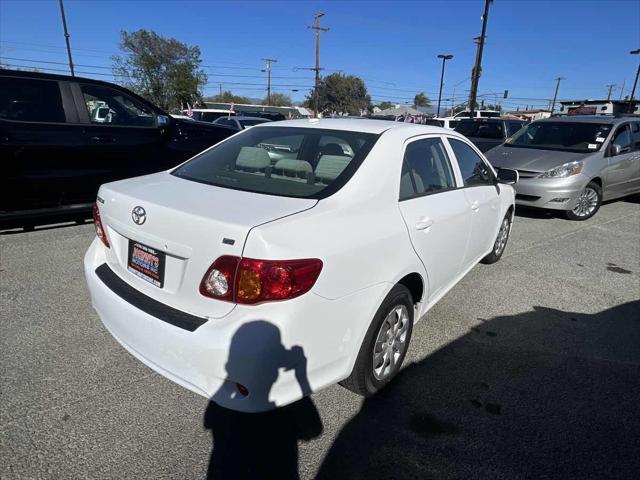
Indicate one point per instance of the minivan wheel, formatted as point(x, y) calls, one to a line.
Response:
point(385, 345)
point(501, 241)
point(587, 204)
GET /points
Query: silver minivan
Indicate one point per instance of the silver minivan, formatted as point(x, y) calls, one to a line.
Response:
point(573, 163)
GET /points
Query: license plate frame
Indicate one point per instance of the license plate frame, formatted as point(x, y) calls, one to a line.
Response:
point(146, 263)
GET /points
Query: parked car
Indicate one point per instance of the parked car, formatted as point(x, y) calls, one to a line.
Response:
point(486, 133)
point(208, 115)
point(477, 114)
point(62, 137)
point(445, 122)
point(573, 163)
point(255, 284)
point(240, 123)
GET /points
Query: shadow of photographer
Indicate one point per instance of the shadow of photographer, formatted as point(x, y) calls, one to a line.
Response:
point(260, 445)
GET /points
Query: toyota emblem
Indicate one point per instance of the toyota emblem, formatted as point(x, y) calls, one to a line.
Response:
point(139, 215)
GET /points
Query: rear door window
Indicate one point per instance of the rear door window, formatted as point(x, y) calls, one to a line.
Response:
point(426, 169)
point(285, 161)
point(29, 100)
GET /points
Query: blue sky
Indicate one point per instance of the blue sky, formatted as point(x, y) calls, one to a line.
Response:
point(391, 45)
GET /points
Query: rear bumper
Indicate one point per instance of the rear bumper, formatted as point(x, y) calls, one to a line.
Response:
point(279, 351)
point(555, 194)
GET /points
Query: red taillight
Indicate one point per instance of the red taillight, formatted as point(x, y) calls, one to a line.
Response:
point(249, 281)
point(100, 232)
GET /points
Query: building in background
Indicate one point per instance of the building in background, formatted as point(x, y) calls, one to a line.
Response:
point(599, 107)
point(529, 115)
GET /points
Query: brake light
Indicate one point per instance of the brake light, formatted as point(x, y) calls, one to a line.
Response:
point(251, 281)
point(100, 232)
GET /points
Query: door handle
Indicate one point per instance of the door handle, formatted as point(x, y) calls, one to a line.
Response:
point(424, 224)
point(475, 206)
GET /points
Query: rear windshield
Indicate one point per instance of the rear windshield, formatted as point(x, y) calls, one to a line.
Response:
point(479, 129)
point(580, 137)
point(285, 161)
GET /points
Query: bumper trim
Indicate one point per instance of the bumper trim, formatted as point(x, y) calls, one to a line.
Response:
point(147, 304)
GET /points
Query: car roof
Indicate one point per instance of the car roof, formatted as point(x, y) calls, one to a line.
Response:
point(214, 110)
point(249, 117)
point(608, 119)
point(489, 119)
point(354, 125)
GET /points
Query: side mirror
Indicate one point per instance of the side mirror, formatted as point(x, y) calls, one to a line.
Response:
point(508, 176)
point(619, 149)
point(163, 120)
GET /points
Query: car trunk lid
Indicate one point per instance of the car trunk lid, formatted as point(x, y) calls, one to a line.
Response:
point(166, 231)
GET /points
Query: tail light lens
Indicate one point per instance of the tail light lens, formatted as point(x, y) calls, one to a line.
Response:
point(100, 232)
point(250, 281)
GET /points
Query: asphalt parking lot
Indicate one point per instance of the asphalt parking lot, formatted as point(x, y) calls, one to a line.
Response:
point(529, 368)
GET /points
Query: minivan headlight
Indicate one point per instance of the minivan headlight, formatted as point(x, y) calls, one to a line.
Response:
point(563, 171)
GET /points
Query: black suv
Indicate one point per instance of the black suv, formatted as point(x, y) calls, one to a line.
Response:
point(486, 133)
point(62, 137)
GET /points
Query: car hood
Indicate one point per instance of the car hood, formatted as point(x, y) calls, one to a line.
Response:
point(532, 159)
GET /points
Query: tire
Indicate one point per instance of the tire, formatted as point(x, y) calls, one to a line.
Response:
point(365, 379)
point(502, 238)
point(587, 204)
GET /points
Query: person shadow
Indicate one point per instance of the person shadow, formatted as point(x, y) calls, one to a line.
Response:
point(261, 445)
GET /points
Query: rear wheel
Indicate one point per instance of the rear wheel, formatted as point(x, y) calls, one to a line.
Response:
point(587, 204)
point(385, 345)
point(501, 241)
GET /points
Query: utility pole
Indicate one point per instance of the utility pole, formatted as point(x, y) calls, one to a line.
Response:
point(635, 82)
point(221, 91)
point(555, 95)
point(269, 62)
point(475, 73)
point(624, 81)
point(66, 37)
point(609, 88)
point(444, 58)
point(318, 29)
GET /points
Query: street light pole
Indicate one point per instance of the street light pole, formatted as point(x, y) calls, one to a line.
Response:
point(444, 57)
point(635, 82)
point(66, 37)
point(555, 95)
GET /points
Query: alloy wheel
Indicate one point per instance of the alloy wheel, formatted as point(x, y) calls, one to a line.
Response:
point(587, 203)
point(391, 342)
point(503, 235)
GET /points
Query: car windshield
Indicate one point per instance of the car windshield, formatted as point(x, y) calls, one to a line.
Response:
point(580, 137)
point(284, 161)
point(480, 129)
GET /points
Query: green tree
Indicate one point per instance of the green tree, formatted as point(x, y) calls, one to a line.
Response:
point(228, 97)
point(385, 105)
point(340, 93)
point(421, 100)
point(163, 70)
point(278, 100)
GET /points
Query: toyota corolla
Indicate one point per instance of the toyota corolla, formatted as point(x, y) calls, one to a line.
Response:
point(294, 255)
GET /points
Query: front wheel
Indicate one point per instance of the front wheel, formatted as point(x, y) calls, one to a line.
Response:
point(385, 344)
point(501, 241)
point(587, 204)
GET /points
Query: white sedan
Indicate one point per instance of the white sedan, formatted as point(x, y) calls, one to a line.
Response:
point(255, 280)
